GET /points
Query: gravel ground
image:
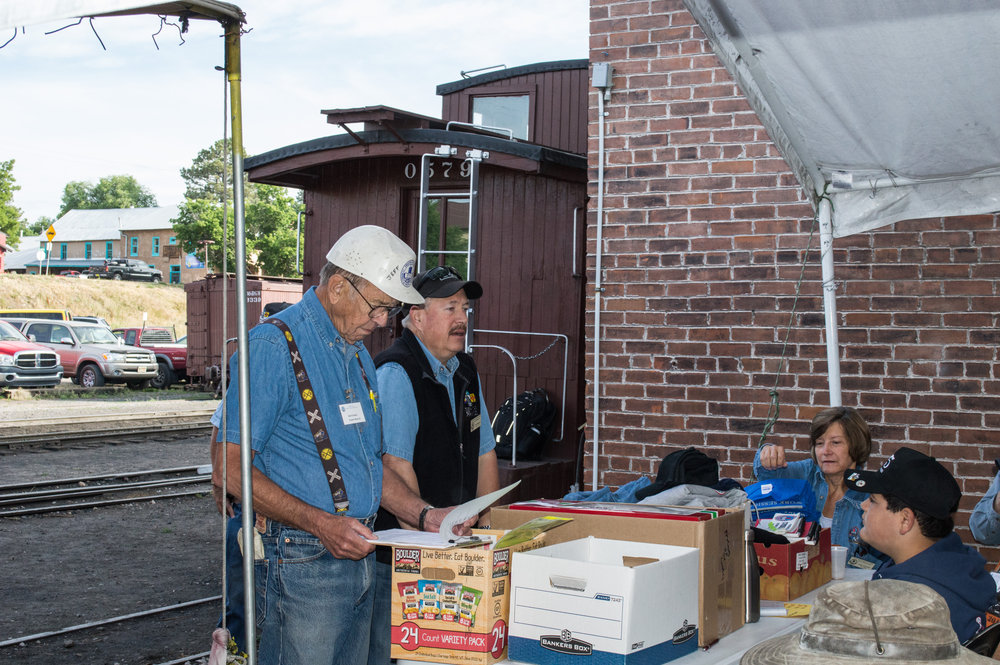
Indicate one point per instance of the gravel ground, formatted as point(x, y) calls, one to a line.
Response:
point(67, 569)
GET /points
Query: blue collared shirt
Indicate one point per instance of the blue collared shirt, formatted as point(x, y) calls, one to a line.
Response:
point(280, 434)
point(401, 418)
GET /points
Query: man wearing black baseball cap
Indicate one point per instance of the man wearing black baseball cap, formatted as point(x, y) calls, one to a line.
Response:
point(908, 516)
point(436, 431)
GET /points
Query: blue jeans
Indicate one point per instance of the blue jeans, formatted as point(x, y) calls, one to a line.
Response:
point(312, 608)
point(235, 616)
point(380, 642)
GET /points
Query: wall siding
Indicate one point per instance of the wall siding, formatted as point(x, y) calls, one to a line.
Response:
point(706, 234)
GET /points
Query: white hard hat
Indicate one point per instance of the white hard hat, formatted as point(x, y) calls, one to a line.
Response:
point(380, 257)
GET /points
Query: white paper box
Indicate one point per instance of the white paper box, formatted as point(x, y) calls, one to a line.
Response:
point(607, 601)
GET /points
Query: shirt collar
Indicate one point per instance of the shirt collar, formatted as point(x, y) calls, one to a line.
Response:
point(442, 372)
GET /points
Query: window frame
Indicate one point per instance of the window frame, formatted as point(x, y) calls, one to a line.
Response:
point(531, 90)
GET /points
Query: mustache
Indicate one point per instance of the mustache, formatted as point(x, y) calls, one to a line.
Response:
point(457, 330)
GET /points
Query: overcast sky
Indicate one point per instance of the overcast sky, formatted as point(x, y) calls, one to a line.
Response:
point(73, 111)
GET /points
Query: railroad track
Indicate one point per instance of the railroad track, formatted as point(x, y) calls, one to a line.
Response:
point(68, 429)
point(32, 498)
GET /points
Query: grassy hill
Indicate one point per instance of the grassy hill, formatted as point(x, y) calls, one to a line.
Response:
point(121, 303)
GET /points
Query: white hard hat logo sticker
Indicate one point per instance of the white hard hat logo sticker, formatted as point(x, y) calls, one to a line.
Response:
point(406, 275)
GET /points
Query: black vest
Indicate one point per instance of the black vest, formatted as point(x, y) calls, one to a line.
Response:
point(446, 451)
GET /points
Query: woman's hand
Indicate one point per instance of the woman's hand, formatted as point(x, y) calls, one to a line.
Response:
point(772, 456)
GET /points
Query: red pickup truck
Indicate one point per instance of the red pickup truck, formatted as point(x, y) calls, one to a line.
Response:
point(171, 357)
point(24, 364)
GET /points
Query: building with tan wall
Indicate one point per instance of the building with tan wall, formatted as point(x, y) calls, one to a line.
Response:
point(85, 238)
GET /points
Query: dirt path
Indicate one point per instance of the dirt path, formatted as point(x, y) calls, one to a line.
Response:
point(63, 570)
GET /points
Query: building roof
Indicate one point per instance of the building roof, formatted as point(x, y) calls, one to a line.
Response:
point(108, 224)
point(501, 74)
point(19, 259)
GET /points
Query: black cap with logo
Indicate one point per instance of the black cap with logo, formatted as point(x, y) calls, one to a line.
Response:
point(917, 480)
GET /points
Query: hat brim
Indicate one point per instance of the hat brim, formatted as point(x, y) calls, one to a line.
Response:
point(787, 649)
point(867, 482)
point(449, 287)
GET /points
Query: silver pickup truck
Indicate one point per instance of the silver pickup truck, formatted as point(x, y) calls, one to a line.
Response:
point(91, 355)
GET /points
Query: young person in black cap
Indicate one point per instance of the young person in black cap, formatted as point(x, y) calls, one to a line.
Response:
point(908, 516)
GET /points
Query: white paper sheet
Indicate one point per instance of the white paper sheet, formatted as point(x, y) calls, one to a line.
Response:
point(470, 509)
point(442, 538)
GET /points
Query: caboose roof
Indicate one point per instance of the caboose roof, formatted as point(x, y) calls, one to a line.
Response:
point(294, 165)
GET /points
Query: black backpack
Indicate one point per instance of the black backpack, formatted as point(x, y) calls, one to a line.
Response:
point(535, 417)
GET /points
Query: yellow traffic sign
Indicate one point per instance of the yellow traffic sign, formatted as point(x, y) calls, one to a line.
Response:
point(50, 232)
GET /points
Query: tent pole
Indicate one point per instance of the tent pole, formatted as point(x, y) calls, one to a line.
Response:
point(829, 300)
point(233, 72)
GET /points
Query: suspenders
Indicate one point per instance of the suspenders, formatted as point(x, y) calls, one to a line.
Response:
point(320, 436)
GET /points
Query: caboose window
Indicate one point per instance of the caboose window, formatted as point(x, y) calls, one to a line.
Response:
point(501, 111)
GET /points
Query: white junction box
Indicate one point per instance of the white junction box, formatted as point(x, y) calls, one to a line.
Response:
point(606, 601)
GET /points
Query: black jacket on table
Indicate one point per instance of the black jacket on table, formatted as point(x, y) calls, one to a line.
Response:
point(446, 450)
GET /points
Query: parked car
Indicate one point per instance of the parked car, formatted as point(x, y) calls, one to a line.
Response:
point(91, 355)
point(171, 354)
point(93, 319)
point(70, 273)
point(29, 313)
point(128, 269)
point(24, 364)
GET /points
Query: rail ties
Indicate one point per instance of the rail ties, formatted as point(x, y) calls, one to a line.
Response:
point(103, 490)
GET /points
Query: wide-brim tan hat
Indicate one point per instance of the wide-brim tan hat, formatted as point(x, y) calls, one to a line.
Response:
point(876, 622)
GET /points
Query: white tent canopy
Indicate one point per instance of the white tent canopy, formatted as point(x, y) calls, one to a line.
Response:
point(888, 106)
point(885, 109)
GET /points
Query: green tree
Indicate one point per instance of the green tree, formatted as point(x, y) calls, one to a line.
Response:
point(204, 177)
point(270, 215)
point(11, 219)
point(113, 191)
point(39, 226)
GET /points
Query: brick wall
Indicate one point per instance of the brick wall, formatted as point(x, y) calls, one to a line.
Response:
point(705, 238)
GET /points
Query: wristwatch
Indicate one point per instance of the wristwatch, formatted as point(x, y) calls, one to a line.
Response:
point(423, 514)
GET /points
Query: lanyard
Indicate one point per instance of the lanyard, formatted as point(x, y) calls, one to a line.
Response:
point(320, 436)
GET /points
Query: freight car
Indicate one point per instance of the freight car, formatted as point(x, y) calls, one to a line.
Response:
point(496, 187)
point(206, 342)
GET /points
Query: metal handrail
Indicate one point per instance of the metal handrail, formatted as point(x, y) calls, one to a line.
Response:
point(565, 339)
point(513, 423)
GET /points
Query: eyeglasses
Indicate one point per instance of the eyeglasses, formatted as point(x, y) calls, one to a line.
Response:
point(376, 311)
point(434, 274)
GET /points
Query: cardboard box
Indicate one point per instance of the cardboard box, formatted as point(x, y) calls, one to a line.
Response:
point(604, 601)
point(720, 541)
point(793, 570)
point(451, 606)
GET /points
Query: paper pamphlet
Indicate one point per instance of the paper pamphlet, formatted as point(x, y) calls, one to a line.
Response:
point(444, 537)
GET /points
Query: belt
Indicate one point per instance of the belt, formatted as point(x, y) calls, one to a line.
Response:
point(263, 522)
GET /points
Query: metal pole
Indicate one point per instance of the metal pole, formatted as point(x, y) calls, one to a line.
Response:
point(243, 367)
point(829, 300)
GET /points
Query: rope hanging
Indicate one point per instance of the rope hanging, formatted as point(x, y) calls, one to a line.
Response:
point(775, 406)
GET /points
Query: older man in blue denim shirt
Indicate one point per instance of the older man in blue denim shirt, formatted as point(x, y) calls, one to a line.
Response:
point(314, 585)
